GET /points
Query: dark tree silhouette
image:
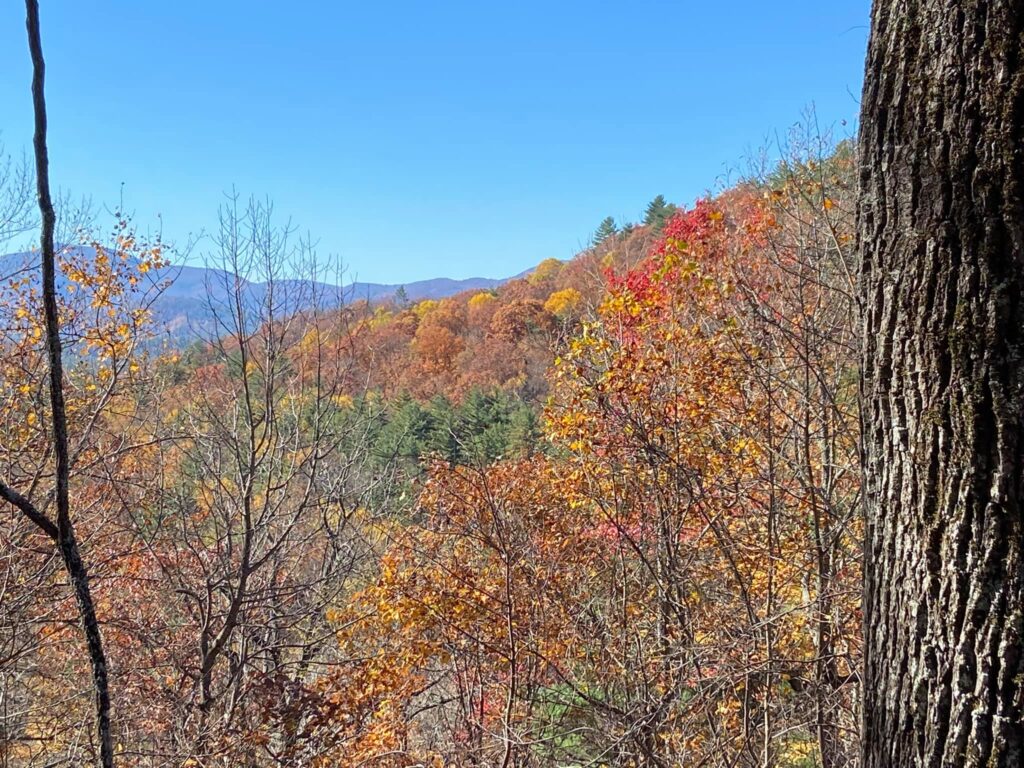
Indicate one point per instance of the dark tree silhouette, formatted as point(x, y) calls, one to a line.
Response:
point(62, 532)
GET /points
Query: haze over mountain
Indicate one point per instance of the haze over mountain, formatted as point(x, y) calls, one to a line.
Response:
point(185, 299)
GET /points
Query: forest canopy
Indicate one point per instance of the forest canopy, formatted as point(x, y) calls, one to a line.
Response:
point(737, 486)
point(602, 514)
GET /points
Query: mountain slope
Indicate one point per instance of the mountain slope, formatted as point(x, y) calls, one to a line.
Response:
point(190, 297)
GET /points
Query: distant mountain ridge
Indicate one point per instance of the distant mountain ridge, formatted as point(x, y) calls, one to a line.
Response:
point(184, 309)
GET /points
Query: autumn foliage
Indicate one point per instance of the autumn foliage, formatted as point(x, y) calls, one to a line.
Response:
point(332, 538)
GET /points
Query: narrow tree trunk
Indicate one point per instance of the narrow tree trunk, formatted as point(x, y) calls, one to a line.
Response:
point(942, 284)
point(66, 540)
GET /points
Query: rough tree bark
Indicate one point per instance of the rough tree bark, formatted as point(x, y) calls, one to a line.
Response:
point(941, 228)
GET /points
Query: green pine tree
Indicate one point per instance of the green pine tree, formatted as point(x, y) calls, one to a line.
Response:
point(605, 229)
point(658, 212)
point(443, 440)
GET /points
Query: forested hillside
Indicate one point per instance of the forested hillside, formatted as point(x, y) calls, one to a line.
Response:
point(604, 514)
point(740, 485)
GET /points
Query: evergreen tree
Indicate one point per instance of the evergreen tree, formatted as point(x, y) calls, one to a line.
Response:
point(605, 229)
point(658, 212)
point(444, 439)
point(484, 427)
point(524, 431)
point(407, 432)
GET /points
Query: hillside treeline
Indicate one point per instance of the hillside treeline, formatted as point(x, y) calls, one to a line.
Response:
point(604, 515)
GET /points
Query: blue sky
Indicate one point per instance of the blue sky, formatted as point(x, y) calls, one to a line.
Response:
point(420, 139)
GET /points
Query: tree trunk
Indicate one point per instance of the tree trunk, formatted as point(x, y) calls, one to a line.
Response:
point(65, 531)
point(941, 225)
